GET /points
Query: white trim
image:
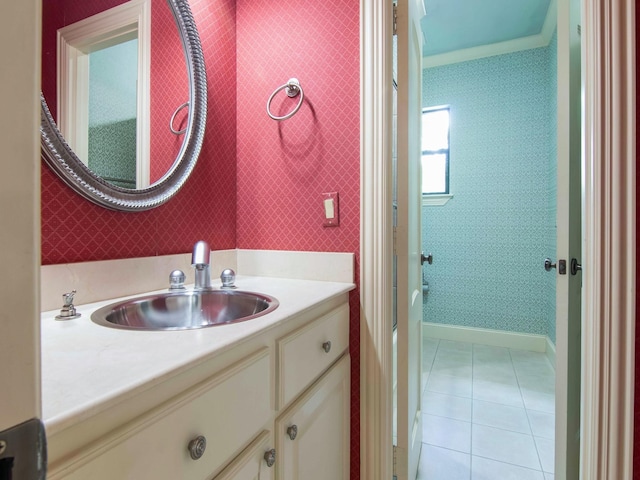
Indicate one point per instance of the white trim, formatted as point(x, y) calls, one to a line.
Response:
point(541, 39)
point(550, 350)
point(143, 113)
point(609, 286)
point(376, 241)
point(550, 21)
point(20, 53)
point(484, 51)
point(486, 336)
point(75, 43)
point(436, 199)
point(609, 232)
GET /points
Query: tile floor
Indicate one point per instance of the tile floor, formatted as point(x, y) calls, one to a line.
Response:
point(488, 413)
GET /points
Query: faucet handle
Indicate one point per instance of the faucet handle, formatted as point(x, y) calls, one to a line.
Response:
point(228, 278)
point(68, 311)
point(67, 298)
point(176, 280)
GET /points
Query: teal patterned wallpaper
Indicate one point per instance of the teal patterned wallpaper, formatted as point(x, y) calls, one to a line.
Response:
point(112, 113)
point(550, 282)
point(112, 152)
point(490, 239)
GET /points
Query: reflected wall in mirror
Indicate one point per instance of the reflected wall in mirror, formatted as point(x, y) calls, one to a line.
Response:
point(162, 160)
point(103, 93)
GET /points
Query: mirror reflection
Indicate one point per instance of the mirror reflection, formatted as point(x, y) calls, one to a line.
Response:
point(112, 117)
point(112, 90)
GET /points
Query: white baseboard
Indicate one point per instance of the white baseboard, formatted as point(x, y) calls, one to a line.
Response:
point(484, 336)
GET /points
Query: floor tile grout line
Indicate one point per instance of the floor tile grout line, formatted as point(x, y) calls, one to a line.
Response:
point(471, 455)
point(508, 463)
point(426, 385)
point(529, 420)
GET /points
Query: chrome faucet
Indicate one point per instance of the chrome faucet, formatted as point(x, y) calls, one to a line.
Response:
point(201, 259)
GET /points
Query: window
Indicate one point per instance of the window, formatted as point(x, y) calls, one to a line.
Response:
point(435, 151)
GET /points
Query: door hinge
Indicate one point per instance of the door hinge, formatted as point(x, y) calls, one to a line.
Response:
point(395, 461)
point(395, 19)
point(395, 241)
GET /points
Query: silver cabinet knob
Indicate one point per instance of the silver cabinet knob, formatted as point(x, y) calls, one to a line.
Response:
point(548, 265)
point(427, 258)
point(270, 457)
point(292, 431)
point(197, 447)
point(326, 346)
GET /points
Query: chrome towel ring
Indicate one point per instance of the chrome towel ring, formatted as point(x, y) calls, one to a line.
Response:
point(293, 88)
point(173, 117)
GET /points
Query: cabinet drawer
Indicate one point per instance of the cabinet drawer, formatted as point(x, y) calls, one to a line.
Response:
point(302, 356)
point(228, 410)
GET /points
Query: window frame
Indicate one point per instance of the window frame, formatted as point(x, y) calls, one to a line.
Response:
point(439, 198)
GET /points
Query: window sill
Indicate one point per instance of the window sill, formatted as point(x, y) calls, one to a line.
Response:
point(436, 200)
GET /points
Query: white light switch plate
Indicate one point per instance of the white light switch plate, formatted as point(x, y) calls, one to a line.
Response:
point(330, 209)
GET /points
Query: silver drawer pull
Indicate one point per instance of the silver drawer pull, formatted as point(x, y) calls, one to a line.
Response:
point(326, 346)
point(270, 457)
point(292, 431)
point(197, 447)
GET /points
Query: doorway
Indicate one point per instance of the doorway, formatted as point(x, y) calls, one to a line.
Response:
point(489, 398)
point(607, 327)
point(487, 290)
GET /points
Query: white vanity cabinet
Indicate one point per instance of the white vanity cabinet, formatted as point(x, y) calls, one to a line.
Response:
point(294, 373)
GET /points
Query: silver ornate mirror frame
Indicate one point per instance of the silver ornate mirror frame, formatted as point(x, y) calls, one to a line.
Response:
point(65, 163)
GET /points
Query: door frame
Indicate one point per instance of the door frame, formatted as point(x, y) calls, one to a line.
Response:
point(20, 186)
point(609, 228)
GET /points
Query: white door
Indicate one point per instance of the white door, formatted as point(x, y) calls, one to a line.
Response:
point(408, 239)
point(568, 285)
point(20, 234)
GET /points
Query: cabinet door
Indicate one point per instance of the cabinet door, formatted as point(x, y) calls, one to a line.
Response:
point(251, 463)
point(312, 436)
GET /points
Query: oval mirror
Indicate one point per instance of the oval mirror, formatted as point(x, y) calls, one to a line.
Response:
point(188, 120)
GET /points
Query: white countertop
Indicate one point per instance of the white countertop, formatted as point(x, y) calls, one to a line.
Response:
point(86, 367)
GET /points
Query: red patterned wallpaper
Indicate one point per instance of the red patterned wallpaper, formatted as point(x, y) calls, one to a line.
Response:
point(169, 89)
point(284, 167)
point(75, 230)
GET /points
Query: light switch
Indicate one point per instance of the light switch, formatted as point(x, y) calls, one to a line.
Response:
point(331, 211)
point(328, 208)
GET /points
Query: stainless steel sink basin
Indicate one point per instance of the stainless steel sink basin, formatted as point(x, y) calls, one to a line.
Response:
point(185, 310)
